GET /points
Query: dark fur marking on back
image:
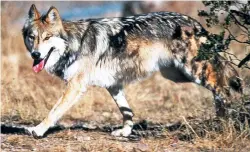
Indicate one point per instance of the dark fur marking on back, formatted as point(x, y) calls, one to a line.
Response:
point(118, 42)
point(89, 37)
point(177, 32)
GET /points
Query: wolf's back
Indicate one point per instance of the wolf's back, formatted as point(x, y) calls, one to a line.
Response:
point(153, 25)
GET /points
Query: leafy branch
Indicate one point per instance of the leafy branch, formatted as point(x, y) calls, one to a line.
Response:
point(228, 15)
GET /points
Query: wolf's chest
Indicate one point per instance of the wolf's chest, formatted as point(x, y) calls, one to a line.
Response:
point(71, 71)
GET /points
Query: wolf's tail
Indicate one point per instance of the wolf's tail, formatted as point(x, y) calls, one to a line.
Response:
point(236, 84)
point(229, 77)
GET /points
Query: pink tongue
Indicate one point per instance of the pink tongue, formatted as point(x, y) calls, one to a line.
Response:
point(37, 68)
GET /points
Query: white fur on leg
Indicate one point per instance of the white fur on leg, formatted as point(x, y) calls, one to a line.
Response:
point(125, 131)
point(119, 97)
point(55, 114)
point(37, 131)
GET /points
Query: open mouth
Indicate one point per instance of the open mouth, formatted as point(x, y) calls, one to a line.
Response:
point(39, 64)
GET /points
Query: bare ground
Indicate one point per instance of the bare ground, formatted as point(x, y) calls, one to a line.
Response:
point(190, 135)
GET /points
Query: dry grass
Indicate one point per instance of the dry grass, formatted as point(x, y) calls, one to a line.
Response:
point(27, 97)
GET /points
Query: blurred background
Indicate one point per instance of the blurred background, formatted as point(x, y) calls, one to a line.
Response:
point(28, 97)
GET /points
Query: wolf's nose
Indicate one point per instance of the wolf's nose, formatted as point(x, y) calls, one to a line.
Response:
point(35, 55)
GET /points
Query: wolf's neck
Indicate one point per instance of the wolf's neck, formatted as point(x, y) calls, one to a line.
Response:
point(72, 35)
point(64, 62)
point(74, 31)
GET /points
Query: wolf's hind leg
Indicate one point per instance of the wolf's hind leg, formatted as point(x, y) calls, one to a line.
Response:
point(203, 73)
point(119, 97)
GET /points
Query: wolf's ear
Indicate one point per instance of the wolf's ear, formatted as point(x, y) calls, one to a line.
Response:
point(53, 16)
point(33, 13)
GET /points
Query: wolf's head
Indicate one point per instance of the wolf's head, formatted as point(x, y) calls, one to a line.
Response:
point(44, 37)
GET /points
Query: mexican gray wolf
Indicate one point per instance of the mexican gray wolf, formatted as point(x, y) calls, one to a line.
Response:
point(112, 52)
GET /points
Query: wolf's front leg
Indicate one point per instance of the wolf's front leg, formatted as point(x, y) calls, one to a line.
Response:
point(69, 98)
point(119, 97)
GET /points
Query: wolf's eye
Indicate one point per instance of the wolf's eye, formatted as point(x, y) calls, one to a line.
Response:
point(47, 38)
point(31, 37)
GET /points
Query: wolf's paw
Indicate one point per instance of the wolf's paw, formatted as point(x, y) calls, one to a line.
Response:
point(124, 132)
point(36, 132)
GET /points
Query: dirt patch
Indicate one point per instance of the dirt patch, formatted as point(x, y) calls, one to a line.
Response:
point(189, 135)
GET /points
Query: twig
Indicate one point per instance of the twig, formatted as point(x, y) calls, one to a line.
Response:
point(246, 59)
point(242, 15)
point(190, 127)
point(234, 38)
